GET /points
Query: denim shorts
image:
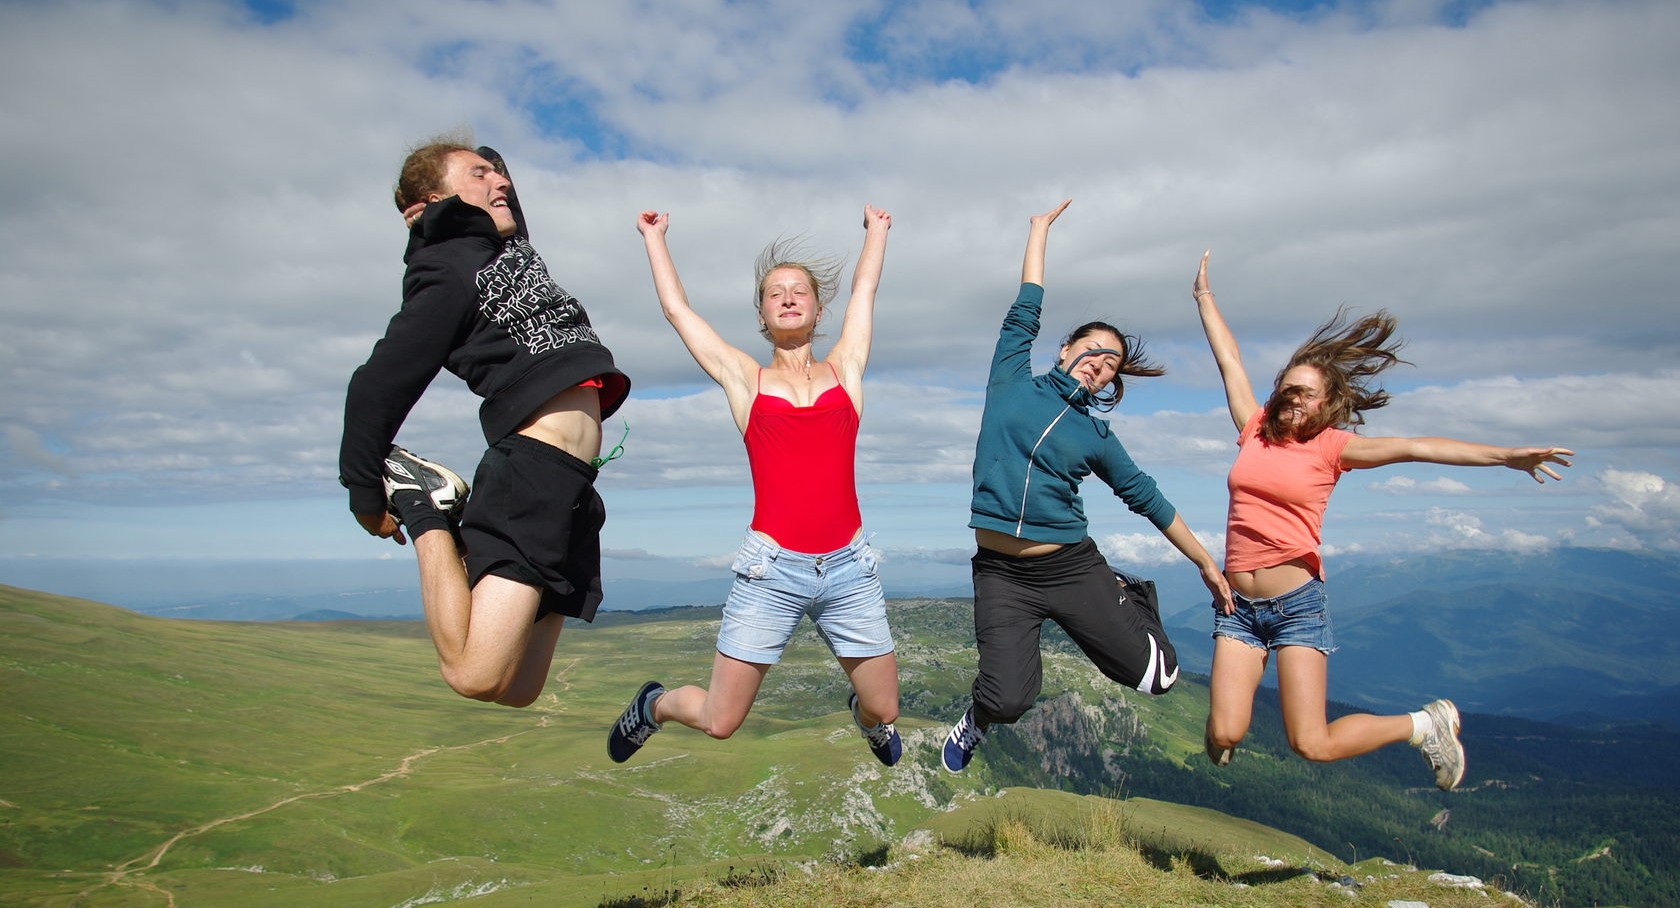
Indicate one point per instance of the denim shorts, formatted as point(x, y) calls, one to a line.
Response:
point(775, 587)
point(1297, 618)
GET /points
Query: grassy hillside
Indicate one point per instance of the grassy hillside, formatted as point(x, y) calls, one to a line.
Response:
point(145, 761)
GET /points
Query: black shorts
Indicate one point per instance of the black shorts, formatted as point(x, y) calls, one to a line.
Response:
point(534, 517)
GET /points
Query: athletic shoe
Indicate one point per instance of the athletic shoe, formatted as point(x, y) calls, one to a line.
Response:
point(1440, 745)
point(960, 743)
point(406, 473)
point(883, 738)
point(635, 725)
point(1221, 756)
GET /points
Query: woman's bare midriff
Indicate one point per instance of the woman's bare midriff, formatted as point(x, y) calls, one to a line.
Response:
point(1270, 582)
point(1005, 544)
point(570, 421)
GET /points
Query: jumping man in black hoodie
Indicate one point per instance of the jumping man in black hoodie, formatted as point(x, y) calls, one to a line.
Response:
point(478, 300)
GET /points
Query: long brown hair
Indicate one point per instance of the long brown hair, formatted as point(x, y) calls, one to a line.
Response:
point(1349, 355)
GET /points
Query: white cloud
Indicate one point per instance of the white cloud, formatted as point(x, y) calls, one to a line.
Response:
point(1405, 485)
point(1644, 510)
point(199, 247)
point(1152, 549)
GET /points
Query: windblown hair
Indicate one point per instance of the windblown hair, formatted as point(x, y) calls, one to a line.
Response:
point(423, 170)
point(1349, 355)
point(823, 273)
point(1134, 361)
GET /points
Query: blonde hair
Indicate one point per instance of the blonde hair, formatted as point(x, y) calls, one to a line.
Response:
point(792, 252)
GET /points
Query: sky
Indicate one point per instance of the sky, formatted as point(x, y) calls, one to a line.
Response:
point(199, 247)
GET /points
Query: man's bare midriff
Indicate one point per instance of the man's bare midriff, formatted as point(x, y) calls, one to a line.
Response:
point(1270, 582)
point(570, 421)
point(1005, 544)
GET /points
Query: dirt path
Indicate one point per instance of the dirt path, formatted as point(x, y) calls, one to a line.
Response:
point(126, 873)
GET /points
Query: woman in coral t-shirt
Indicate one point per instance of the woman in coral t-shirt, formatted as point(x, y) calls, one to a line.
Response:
point(1291, 452)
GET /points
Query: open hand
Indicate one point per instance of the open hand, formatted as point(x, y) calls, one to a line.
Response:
point(1535, 461)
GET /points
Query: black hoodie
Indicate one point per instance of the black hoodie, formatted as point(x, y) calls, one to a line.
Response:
point(484, 307)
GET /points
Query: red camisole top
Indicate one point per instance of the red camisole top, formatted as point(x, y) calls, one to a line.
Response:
point(803, 463)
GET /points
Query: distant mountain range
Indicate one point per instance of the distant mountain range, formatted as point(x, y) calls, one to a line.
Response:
point(1570, 635)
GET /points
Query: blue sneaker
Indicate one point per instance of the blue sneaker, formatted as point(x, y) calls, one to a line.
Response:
point(960, 743)
point(635, 725)
point(883, 738)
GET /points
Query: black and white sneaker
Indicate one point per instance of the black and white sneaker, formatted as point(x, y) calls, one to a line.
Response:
point(1220, 756)
point(635, 725)
point(883, 739)
point(405, 472)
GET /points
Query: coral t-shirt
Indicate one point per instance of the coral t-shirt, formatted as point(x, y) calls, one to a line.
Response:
point(1278, 496)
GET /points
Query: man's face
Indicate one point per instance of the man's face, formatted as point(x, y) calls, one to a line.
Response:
point(476, 181)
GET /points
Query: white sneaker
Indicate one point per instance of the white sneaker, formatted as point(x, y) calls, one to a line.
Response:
point(1440, 745)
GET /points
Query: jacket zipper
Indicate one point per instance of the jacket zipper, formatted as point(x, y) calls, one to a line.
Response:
point(1032, 455)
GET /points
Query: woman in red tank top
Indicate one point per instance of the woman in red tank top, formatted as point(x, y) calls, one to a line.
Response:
point(805, 553)
point(1290, 454)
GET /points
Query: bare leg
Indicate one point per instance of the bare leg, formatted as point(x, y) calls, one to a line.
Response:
point(535, 663)
point(721, 710)
point(875, 678)
point(1302, 686)
point(1237, 670)
point(482, 635)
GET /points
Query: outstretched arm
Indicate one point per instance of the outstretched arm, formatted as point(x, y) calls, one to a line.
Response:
point(851, 352)
point(727, 366)
point(1239, 394)
point(1038, 236)
point(1363, 453)
point(1186, 542)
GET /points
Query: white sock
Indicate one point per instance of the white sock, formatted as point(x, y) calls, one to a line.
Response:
point(1421, 726)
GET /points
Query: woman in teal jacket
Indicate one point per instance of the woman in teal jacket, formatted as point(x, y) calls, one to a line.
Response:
point(1035, 560)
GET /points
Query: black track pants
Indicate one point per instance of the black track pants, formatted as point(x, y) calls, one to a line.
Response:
point(1113, 618)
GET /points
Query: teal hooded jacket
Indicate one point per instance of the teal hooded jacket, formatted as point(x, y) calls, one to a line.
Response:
point(1039, 440)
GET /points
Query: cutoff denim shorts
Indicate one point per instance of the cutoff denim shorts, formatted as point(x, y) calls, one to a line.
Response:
point(1297, 618)
point(775, 587)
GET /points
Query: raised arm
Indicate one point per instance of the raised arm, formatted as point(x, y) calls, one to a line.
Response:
point(1364, 453)
point(1239, 394)
point(732, 369)
point(850, 353)
point(1038, 236)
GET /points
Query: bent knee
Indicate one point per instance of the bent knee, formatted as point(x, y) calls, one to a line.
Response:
point(1224, 740)
point(1316, 751)
point(477, 686)
point(720, 730)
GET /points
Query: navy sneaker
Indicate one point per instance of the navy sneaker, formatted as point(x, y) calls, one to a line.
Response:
point(1440, 745)
point(635, 725)
point(883, 738)
point(960, 743)
point(406, 473)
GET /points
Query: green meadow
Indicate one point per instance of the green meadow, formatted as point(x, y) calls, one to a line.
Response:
point(153, 762)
